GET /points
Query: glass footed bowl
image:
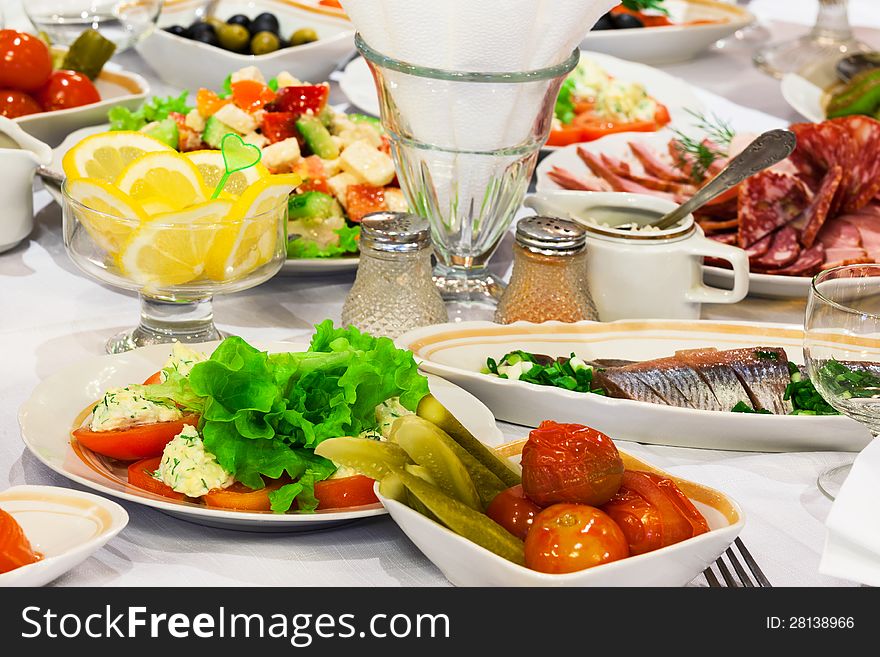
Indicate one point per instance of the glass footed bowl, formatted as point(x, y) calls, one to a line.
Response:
point(176, 262)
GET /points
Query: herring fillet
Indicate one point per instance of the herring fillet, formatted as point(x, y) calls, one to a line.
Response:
point(721, 378)
point(672, 381)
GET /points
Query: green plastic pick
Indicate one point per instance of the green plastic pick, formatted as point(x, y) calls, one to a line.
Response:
point(237, 156)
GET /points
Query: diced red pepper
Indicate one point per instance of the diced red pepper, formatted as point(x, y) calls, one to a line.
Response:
point(311, 170)
point(207, 102)
point(251, 95)
point(300, 99)
point(361, 200)
point(278, 126)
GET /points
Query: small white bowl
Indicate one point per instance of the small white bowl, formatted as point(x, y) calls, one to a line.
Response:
point(116, 86)
point(465, 563)
point(65, 526)
point(189, 64)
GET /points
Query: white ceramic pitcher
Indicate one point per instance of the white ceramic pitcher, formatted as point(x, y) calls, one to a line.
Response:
point(20, 155)
point(640, 274)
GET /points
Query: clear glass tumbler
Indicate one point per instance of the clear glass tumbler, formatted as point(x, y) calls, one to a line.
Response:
point(830, 39)
point(465, 145)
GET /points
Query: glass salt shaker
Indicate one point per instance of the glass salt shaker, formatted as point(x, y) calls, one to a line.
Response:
point(393, 291)
point(549, 274)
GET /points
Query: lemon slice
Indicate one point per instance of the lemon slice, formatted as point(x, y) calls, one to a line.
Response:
point(106, 154)
point(163, 179)
point(172, 248)
point(250, 240)
point(210, 165)
point(109, 216)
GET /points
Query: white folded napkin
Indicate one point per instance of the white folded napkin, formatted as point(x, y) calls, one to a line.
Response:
point(852, 540)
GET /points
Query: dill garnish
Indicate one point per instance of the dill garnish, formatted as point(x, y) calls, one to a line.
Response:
point(642, 5)
point(701, 153)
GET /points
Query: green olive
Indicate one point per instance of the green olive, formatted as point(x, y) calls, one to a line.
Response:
point(233, 37)
point(303, 35)
point(264, 43)
point(214, 22)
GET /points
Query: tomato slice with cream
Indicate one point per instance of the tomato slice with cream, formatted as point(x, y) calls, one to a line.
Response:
point(140, 475)
point(133, 443)
point(15, 548)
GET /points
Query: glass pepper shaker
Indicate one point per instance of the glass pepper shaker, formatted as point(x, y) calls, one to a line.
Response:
point(549, 274)
point(393, 291)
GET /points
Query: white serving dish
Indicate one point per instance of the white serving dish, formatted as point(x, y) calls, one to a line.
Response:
point(675, 43)
point(64, 525)
point(804, 97)
point(356, 82)
point(457, 352)
point(116, 86)
point(465, 563)
point(760, 285)
point(191, 65)
point(291, 266)
point(48, 416)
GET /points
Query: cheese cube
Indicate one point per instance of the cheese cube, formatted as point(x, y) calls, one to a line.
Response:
point(255, 139)
point(361, 132)
point(395, 200)
point(339, 185)
point(194, 121)
point(285, 79)
point(236, 118)
point(374, 166)
point(248, 73)
point(281, 156)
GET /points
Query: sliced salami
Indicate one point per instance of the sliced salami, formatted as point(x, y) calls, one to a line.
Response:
point(783, 251)
point(817, 211)
point(655, 166)
point(821, 146)
point(760, 247)
point(767, 201)
point(864, 178)
point(808, 263)
point(724, 238)
point(713, 226)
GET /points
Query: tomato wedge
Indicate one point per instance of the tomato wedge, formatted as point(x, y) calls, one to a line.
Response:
point(155, 378)
point(140, 475)
point(133, 443)
point(15, 549)
point(344, 492)
point(241, 498)
point(565, 136)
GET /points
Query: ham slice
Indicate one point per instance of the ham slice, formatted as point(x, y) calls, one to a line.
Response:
point(655, 166)
point(817, 211)
point(783, 251)
point(767, 201)
point(568, 180)
point(618, 184)
point(623, 170)
point(867, 225)
point(844, 255)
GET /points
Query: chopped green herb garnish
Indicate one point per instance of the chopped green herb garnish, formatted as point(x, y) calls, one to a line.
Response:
point(744, 407)
point(558, 372)
point(642, 5)
point(766, 355)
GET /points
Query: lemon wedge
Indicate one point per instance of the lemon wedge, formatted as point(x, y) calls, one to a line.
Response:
point(106, 154)
point(210, 164)
point(165, 179)
point(109, 216)
point(252, 236)
point(172, 248)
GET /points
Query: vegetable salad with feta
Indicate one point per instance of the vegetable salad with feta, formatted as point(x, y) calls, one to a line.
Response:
point(243, 424)
point(343, 159)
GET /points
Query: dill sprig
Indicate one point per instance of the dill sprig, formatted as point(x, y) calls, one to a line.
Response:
point(696, 152)
point(642, 5)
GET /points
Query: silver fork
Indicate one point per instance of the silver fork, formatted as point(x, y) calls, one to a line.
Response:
point(739, 578)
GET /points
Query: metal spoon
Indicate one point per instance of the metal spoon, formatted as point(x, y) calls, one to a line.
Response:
point(765, 151)
point(851, 65)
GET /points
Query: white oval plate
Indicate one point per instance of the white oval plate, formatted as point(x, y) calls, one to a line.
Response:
point(116, 86)
point(457, 352)
point(189, 64)
point(804, 97)
point(46, 419)
point(675, 43)
point(65, 526)
point(291, 266)
point(760, 285)
point(464, 563)
point(356, 82)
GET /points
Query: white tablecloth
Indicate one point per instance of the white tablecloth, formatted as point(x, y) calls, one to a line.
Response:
point(51, 316)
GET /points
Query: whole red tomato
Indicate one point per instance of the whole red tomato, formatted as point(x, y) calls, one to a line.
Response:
point(653, 512)
point(25, 62)
point(570, 463)
point(565, 538)
point(514, 511)
point(17, 103)
point(66, 89)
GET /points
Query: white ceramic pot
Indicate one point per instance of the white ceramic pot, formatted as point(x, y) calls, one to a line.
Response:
point(645, 274)
point(20, 155)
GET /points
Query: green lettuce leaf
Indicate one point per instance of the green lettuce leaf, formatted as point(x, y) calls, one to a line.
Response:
point(348, 243)
point(156, 109)
point(263, 414)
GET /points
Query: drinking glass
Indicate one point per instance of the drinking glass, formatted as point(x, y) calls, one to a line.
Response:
point(830, 39)
point(176, 301)
point(465, 145)
point(842, 349)
point(124, 22)
point(753, 33)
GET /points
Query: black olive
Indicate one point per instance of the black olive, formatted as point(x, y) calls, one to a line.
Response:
point(240, 19)
point(627, 21)
point(177, 30)
point(605, 23)
point(265, 22)
point(205, 33)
